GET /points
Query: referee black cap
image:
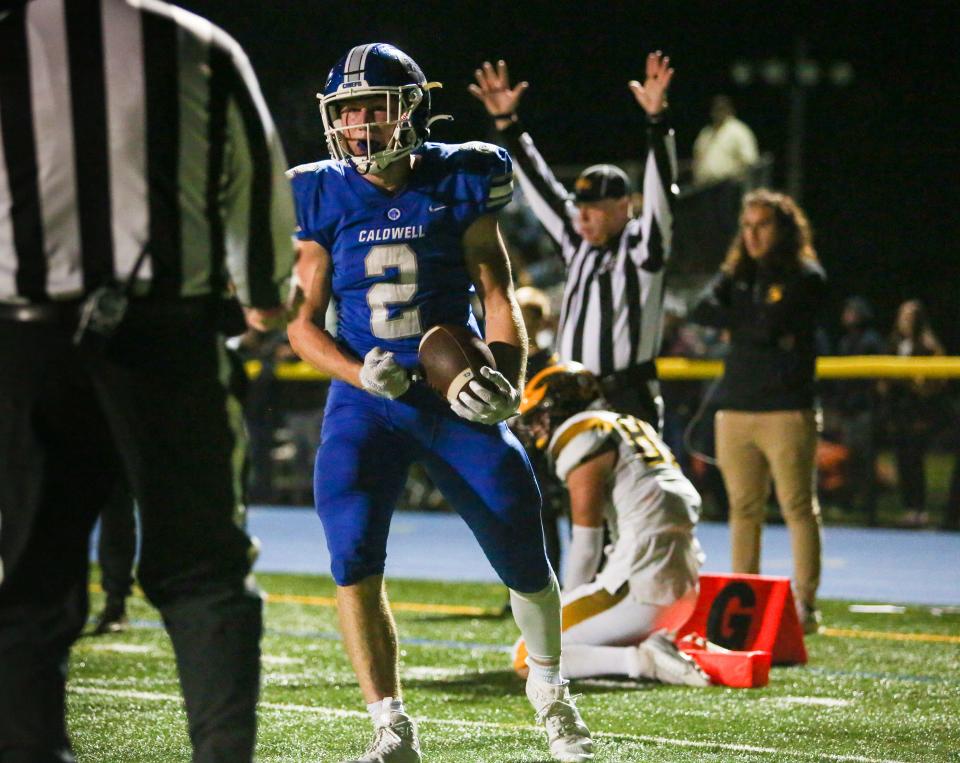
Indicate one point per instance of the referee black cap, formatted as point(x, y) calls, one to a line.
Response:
point(601, 181)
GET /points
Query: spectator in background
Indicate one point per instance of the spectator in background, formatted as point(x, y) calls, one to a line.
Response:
point(951, 511)
point(768, 293)
point(724, 149)
point(856, 402)
point(116, 551)
point(262, 410)
point(538, 321)
point(914, 407)
point(681, 396)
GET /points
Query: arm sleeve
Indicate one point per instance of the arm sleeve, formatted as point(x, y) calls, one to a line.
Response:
point(257, 205)
point(659, 193)
point(712, 308)
point(583, 556)
point(548, 199)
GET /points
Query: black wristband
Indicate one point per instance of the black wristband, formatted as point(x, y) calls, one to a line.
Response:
point(660, 117)
point(507, 115)
point(513, 130)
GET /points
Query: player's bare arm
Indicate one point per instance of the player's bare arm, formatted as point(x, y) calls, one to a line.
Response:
point(494, 92)
point(587, 485)
point(652, 94)
point(308, 336)
point(489, 268)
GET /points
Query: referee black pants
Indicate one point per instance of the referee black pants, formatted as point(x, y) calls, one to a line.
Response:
point(117, 545)
point(153, 408)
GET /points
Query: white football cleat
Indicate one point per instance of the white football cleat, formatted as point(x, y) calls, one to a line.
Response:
point(567, 734)
point(395, 741)
point(667, 664)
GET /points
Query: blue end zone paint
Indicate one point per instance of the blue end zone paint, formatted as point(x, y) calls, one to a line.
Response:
point(900, 566)
point(903, 566)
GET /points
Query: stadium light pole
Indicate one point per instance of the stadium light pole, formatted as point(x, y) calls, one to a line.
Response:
point(799, 75)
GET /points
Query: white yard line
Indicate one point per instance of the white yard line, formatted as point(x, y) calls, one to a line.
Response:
point(821, 701)
point(276, 659)
point(332, 712)
point(121, 648)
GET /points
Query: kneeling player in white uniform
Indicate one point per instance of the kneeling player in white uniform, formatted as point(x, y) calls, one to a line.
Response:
point(617, 469)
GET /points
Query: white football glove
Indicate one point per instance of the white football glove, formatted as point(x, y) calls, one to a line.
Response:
point(381, 376)
point(489, 406)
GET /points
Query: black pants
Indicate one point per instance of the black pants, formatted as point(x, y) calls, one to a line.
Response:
point(117, 545)
point(151, 409)
point(637, 400)
point(859, 435)
point(910, 449)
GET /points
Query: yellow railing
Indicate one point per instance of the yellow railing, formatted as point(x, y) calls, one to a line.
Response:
point(849, 367)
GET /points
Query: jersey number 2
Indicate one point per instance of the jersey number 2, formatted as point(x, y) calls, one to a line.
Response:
point(407, 321)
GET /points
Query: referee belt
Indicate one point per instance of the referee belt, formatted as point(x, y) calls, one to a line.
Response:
point(58, 311)
point(39, 312)
point(629, 378)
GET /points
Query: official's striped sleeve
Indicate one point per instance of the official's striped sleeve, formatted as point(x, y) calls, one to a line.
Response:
point(548, 199)
point(257, 203)
point(659, 194)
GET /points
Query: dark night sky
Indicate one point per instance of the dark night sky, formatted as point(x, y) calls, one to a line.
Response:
point(881, 156)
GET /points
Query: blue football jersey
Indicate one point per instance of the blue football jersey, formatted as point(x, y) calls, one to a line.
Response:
point(397, 258)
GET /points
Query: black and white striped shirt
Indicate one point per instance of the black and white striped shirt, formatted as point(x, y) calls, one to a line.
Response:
point(611, 316)
point(132, 126)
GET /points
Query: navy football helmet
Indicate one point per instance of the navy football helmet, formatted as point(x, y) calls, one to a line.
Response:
point(377, 69)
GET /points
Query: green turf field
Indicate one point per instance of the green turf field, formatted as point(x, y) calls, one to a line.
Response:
point(891, 696)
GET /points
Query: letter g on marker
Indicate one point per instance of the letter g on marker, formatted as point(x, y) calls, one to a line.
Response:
point(731, 614)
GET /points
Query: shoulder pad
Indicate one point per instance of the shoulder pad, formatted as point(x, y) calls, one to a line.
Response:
point(476, 172)
point(484, 158)
point(474, 157)
point(313, 168)
point(302, 169)
point(578, 438)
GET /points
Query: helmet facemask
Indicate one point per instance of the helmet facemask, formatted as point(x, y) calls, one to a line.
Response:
point(374, 156)
point(535, 428)
point(551, 397)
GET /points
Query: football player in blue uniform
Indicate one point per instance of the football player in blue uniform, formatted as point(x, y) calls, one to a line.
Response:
point(400, 232)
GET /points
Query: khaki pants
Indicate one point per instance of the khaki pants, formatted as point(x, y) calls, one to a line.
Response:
point(752, 448)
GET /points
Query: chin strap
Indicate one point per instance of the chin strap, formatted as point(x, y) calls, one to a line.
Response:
point(439, 118)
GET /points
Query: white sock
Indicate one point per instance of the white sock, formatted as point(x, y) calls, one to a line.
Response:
point(640, 663)
point(538, 617)
point(583, 556)
point(547, 673)
point(385, 706)
point(586, 661)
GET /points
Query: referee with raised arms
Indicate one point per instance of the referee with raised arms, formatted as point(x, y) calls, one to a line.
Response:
point(141, 179)
point(611, 316)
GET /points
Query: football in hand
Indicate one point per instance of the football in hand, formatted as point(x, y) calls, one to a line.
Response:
point(452, 355)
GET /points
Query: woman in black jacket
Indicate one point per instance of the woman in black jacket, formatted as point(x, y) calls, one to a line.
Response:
point(768, 294)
